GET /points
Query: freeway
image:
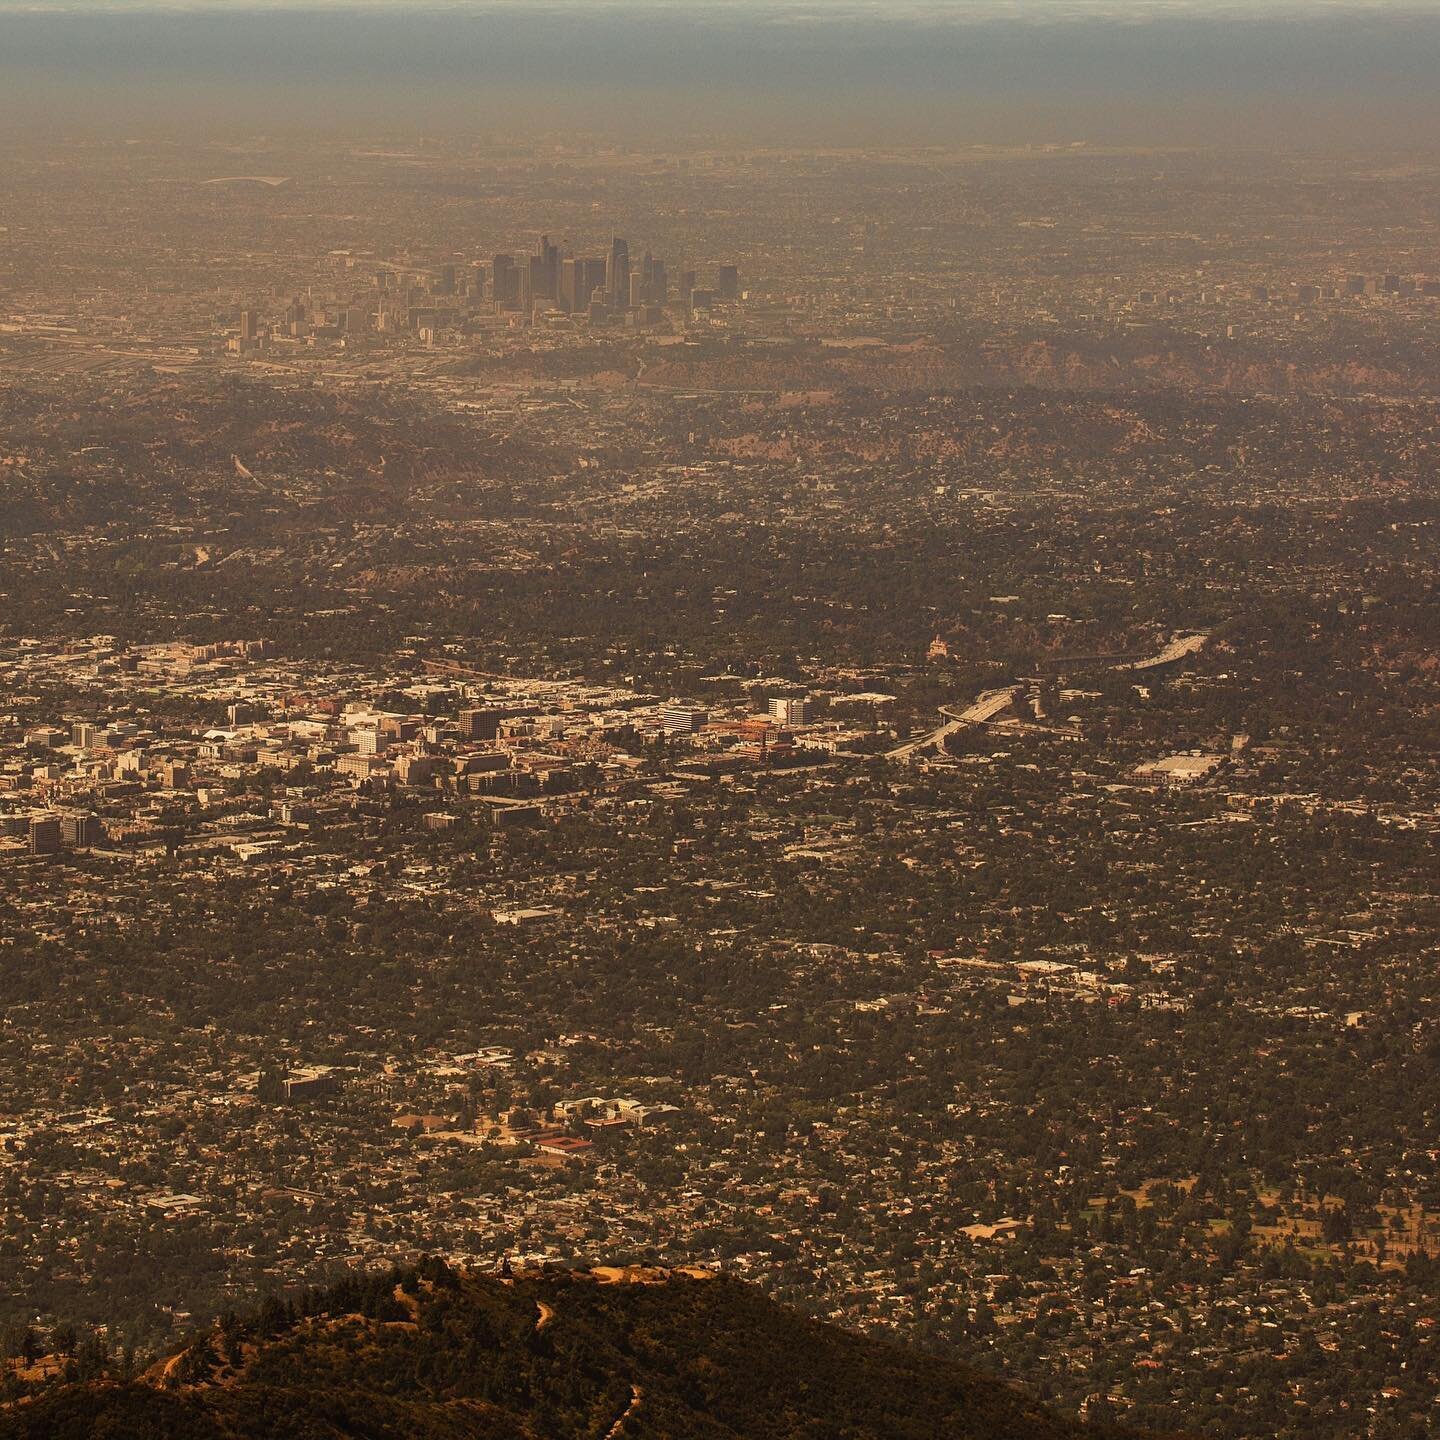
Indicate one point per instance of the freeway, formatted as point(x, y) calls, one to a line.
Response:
point(1176, 650)
point(985, 707)
point(991, 702)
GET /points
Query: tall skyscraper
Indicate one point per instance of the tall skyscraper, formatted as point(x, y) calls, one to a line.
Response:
point(617, 275)
point(571, 270)
point(579, 280)
point(596, 276)
point(544, 268)
point(505, 281)
point(727, 282)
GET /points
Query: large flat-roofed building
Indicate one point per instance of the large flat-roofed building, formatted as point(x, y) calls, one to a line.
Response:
point(682, 719)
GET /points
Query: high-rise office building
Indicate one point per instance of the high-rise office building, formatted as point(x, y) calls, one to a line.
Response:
point(371, 742)
point(480, 724)
point(790, 709)
point(652, 287)
point(570, 284)
point(596, 272)
point(617, 273)
point(579, 280)
point(544, 270)
point(249, 325)
point(81, 831)
point(727, 282)
point(505, 281)
point(677, 718)
point(44, 834)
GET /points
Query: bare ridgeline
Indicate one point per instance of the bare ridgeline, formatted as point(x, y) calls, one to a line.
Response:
point(876, 735)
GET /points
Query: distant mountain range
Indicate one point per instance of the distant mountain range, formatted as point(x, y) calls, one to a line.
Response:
point(604, 1354)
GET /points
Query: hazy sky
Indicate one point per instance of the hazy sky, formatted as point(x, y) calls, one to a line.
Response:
point(952, 11)
point(951, 8)
point(1355, 73)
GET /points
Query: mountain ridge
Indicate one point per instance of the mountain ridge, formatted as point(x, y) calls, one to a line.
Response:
point(606, 1353)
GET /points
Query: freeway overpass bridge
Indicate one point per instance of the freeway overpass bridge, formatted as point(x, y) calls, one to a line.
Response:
point(985, 707)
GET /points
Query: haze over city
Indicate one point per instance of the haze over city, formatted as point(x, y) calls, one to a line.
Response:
point(1163, 71)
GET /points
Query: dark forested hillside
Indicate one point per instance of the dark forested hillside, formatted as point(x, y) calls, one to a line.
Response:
point(430, 1355)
